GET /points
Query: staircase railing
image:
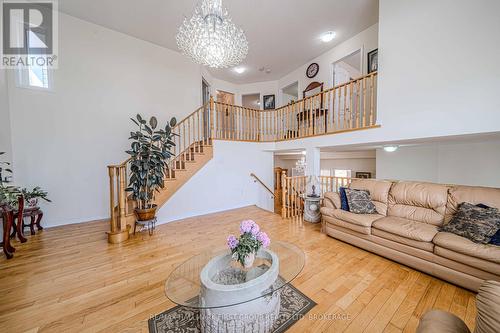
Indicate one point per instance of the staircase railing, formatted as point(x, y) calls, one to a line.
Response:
point(190, 133)
point(294, 189)
point(257, 179)
point(346, 107)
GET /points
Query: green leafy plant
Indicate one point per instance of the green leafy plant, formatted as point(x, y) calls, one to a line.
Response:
point(151, 148)
point(9, 195)
point(35, 193)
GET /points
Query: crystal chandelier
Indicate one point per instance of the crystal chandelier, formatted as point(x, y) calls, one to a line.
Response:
point(210, 38)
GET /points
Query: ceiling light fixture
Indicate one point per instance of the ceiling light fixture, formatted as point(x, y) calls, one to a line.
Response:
point(239, 70)
point(391, 149)
point(210, 38)
point(328, 36)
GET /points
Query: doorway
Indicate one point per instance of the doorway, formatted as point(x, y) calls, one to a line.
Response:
point(345, 70)
point(251, 101)
point(290, 93)
point(227, 119)
point(205, 100)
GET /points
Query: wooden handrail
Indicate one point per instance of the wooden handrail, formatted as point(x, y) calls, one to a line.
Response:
point(294, 188)
point(262, 183)
point(347, 107)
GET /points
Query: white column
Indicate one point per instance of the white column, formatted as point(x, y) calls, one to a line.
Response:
point(313, 160)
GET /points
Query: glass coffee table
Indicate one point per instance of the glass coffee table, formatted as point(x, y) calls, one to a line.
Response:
point(233, 298)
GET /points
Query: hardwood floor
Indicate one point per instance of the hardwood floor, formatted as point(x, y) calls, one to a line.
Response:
point(70, 279)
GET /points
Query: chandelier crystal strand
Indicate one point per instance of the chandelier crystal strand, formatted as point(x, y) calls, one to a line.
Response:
point(210, 37)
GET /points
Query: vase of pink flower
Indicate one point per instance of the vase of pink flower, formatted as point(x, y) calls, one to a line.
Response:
point(250, 241)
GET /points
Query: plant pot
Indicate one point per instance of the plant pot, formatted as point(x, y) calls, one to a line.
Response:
point(31, 203)
point(249, 259)
point(146, 214)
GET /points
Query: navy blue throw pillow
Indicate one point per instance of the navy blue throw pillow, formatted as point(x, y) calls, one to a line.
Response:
point(495, 240)
point(343, 199)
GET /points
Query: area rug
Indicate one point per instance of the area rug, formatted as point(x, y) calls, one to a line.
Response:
point(180, 319)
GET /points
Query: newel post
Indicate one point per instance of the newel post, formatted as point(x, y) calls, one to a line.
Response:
point(283, 194)
point(212, 116)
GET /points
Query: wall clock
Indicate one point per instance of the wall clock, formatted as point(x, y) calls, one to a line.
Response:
point(312, 70)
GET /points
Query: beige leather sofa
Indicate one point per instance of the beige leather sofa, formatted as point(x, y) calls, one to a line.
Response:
point(405, 228)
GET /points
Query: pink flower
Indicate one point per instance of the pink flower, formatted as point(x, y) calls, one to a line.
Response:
point(247, 226)
point(264, 239)
point(232, 242)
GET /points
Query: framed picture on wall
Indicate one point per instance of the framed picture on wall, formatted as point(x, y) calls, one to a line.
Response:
point(363, 175)
point(269, 102)
point(373, 61)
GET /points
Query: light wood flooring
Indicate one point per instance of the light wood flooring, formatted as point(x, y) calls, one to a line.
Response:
point(69, 279)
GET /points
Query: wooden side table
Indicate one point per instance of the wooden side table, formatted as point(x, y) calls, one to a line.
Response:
point(35, 214)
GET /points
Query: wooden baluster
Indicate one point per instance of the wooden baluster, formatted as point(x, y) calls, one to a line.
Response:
point(363, 121)
point(283, 194)
point(122, 199)
point(112, 221)
point(372, 102)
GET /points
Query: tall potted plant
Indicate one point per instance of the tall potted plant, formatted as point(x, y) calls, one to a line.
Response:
point(151, 148)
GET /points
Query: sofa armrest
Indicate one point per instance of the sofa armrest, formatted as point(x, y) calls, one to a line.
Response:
point(488, 307)
point(331, 200)
point(438, 321)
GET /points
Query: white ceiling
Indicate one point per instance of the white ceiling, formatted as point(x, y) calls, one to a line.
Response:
point(282, 34)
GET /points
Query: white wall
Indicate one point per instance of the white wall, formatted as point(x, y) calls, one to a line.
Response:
point(476, 163)
point(5, 136)
point(438, 67)
point(224, 183)
point(366, 40)
point(63, 140)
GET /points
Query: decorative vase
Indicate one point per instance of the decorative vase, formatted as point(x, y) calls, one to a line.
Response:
point(146, 214)
point(33, 202)
point(249, 259)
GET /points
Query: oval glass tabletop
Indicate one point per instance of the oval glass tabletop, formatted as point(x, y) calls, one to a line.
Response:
point(226, 283)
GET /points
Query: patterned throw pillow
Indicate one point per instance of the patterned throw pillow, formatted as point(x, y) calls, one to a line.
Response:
point(360, 202)
point(474, 222)
point(344, 205)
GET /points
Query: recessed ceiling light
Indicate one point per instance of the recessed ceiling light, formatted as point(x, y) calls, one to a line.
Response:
point(391, 149)
point(328, 36)
point(239, 70)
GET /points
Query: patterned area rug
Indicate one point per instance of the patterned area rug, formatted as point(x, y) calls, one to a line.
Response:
point(180, 319)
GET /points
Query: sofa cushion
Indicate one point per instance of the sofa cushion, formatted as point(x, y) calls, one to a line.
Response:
point(468, 261)
point(464, 246)
point(421, 202)
point(332, 200)
point(360, 202)
point(364, 220)
point(406, 228)
point(379, 191)
point(330, 220)
point(426, 246)
point(472, 194)
point(474, 223)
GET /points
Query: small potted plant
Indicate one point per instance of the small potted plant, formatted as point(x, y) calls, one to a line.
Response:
point(149, 155)
point(250, 241)
point(31, 197)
